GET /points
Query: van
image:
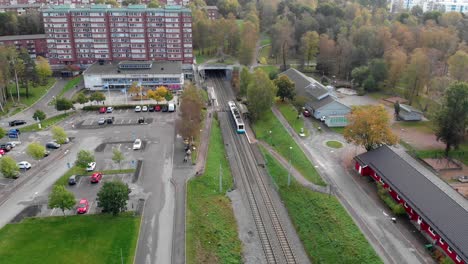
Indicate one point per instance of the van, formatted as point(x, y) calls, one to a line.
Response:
point(171, 107)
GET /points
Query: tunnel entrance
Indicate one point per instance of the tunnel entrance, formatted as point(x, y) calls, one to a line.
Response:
point(216, 71)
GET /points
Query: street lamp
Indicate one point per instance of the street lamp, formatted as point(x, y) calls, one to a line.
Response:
point(271, 143)
point(289, 171)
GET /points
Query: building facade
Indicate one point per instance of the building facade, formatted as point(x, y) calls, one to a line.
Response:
point(86, 35)
point(19, 9)
point(212, 12)
point(433, 5)
point(35, 44)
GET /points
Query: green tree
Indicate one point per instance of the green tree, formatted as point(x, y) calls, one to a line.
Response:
point(81, 98)
point(61, 198)
point(248, 43)
point(43, 69)
point(154, 4)
point(113, 197)
point(83, 158)
point(59, 135)
point(451, 121)
point(309, 45)
point(2, 132)
point(191, 112)
point(39, 115)
point(245, 79)
point(369, 126)
point(360, 74)
point(8, 167)
point(285, 88)
point(97, 96)
point(369, 84)
point(260, 94)
point(63, 104)
point(118, 157)
point(378, 70)
point(169, 96)
point(458, 66)
point(36, 150)
point(417, 74)
point(113, 3)
point(299, 103)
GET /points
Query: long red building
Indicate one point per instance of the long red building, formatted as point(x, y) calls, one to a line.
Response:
point(99, 32)
point(433, 206)
point(35, 44)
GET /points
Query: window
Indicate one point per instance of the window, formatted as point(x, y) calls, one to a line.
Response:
point(432, 231)
point(405, 205)
point(398, 197)
point(458, 258)
point(442, 242)
point(449, 250)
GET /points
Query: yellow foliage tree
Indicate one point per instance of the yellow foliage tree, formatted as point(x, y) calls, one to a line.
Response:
point(153, 94)
point(134, 89)
point(369, 126)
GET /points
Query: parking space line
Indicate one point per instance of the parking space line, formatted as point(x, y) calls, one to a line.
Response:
point(79, 182)
point(52, 212)
point(129, 121)
point(122, 121)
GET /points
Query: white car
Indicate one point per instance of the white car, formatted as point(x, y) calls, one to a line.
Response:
point(24, 165)
point(138, 108)
point(91, 166)
point(12, 143)
point(323, 118)
point(144, 109)
point(137, 144)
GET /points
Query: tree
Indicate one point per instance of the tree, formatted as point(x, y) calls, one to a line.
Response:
point(299, 103)
point(43, 69)
point(8, 167)
point(417, 74)
point(260, 94)
point(159, 94)
point(2, 132)
point(39, 115)
point(309, 45)
point(248, 43)
point(36, 150)
point(286, 88)
point(359, 75)
point(118, 157)
point(191, 112)
point(113, 197)
point(369, 126)
point(378, 70)
point(63, 104)
point(83, 158)
point(245, 79)
point(134, 88)
point(369, 84)
point(59, 135)
point(396, 61)
point(327, 54)
point(154, 4)
point(97, 96)
point(451, 121)
point(61, 198)
point(458, 66)
point(113, 3)
point(81, 98)
point(283, 40)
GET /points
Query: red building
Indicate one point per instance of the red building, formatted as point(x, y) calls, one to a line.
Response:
point(86, 35)
point(35, 44)
point(212, 12)
point(437, 210)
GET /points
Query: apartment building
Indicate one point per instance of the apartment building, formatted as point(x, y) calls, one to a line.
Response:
point(434, 5)
point(99, 32)
point(19, 9)
point(34, 44)
point(212, 12)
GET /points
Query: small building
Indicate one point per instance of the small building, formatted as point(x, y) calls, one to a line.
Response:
point(36, 45)
point(19, 9)
point(321, 103)
point(121, 75)
point(408, 113)
point(212, 12)
point(437, 210)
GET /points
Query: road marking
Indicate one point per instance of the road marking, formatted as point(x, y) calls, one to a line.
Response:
point(79, 181)
point(52, 212)
point(129, 121)
point(122, 121)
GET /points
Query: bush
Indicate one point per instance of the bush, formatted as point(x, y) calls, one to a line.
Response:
point(397, 208)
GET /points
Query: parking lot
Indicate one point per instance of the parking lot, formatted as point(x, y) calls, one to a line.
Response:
point(123, 117)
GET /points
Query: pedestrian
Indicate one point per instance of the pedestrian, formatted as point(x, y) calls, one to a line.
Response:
point(185, 158)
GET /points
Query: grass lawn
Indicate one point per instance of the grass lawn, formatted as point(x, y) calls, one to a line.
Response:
point(268, 69)
point(421, 126)
point(334, 144)
point(265, 39)
point(459, 154)
point(70, 85)
point(290, 114)
point(265, 53)
point(35, 93)
point(281, 141)
point(81, 171)
point(73, 239)
point(201, 58)
point(211, 227)
point(46, 123)
point(327, 232)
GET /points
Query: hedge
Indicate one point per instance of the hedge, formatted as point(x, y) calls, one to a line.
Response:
point(397, 208)
point(97, 107)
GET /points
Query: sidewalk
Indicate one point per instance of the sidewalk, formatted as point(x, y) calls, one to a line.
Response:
point(204, 143)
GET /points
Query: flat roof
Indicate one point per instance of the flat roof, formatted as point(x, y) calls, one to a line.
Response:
point(22, 37)
point(158, 67)
point(109, 8)
point(20, 6)
point(438, 204)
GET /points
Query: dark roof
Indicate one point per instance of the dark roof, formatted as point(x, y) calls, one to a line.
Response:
point(22, 37)
point(158, 67)
point(446, 215)
point(409, 108)
point(304, 83)
point(26, 6)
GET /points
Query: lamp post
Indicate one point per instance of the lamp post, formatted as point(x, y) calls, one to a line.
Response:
point(271, 143)
point(289, 171)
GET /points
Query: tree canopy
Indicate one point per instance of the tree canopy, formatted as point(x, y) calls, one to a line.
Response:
point(36, 150)
point(61, 198)
point(285, 88)
point(59, 135)
point(260, 94)
point(113, 197)
point(83, 158)
point(8, 167)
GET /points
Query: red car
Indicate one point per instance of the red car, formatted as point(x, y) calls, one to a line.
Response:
point(96, 177)
point(2, 152)
point(83, 206)
point(306, 113)
point(102, 110)
point(157, 108)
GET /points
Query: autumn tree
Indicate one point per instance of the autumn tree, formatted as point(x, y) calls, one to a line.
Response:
point(134, 88)
point(43, 69)
point(245, 79)
point(191, 112)
point(309, 46)
point(451, 121)
point(369, 126)
point(285, 88)
point(283, 40)
point(159, 94)
point(458, 66)
point(248, 43)
point(260, 94)
point(417, 74)
point(396, 60)
point(327, 54)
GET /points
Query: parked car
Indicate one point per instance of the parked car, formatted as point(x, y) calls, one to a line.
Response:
point(164, 108)
point(5, 147)
point(323, 118)
point(96, 177)
point(110, 120)
point(109, 109)
point(46, 153)
point(141, 120)
point(12, 143)
point(137, 144)
point(144, 108)
point(171, 107)
point(82, 207)
point(102, 110)
point(91, 166)
point(2, 152)
point(17, 122)
point(14, 133)
point(151, 108)
point(24, 165)
point(157, 108)
point(463, 178)
point(52, 145)
point(306, 113)
point(137, 108)
point(101, 121)
point(72, 180)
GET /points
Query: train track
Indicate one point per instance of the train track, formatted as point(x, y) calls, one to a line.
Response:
point(272, 235)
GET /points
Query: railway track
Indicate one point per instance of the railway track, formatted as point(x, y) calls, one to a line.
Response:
point(273, 237)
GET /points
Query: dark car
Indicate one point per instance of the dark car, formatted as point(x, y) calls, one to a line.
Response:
point(110, 120)
point(141, 120)
point(151, 108)
point(17, 122)
point(164, 108)
point(5, 147)
point(72, 180)
point(52, 145)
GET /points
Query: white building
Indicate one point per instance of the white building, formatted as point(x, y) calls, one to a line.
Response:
point(435, 5)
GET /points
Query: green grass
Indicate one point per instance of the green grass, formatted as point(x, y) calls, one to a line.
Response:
point(211, 227)
point(339, 130)
point(459, 154)
point(201, 58)
point(290, 114)
point(46, 123)
point(240, 24)
point(268, 69)
point(70, 85)
point(378, 95)
point(327, 232)
point(281, 141)
point(35, 93)
point(82, 172)
point(265, 39)
point(334, 144)
point(72, 239)
point(265, 53)
point(421, 126)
